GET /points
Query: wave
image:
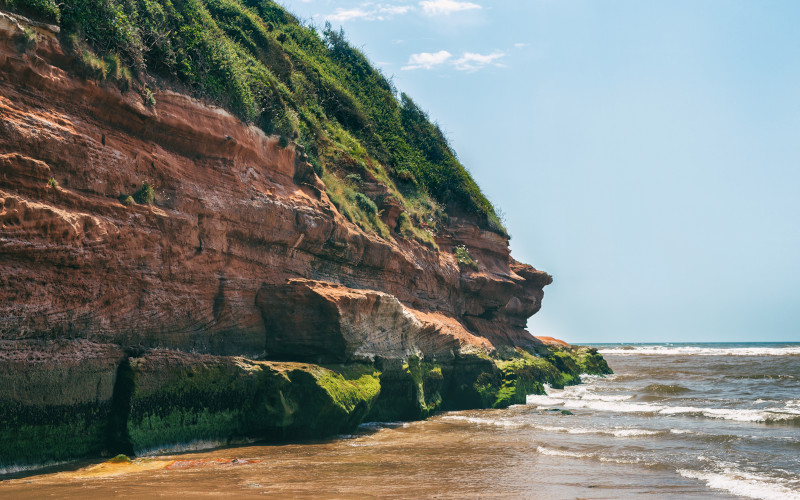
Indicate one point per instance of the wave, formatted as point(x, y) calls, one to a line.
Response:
point(574, 454)
point(195, 445)
point(578, 400)
point(666, 389)
point(743, 484)
point(651, 350)
point(497, 422)
point(616, 432)
point(16, 469)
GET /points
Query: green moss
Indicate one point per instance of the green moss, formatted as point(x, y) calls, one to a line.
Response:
point(145, 195)
point(36, 434)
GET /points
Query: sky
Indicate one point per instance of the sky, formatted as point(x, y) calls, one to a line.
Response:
point(645, 153)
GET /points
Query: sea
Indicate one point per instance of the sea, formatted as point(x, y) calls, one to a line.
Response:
point(675, 420)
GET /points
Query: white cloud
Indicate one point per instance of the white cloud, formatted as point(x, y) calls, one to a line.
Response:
point(520, 45)
point(427, 60)
point(436, 7)
point(369, 12)
point(342, 15)
point(471, 61)
point(396, 9)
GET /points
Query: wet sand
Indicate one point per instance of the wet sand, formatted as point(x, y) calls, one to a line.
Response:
point(439, 458)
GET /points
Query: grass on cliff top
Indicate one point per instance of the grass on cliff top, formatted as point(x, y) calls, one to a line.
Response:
point(298, 81)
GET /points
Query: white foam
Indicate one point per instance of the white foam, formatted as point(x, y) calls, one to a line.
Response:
point(13, 469)
point(573, 454)
point(700, 351)
point(196, 445)
point(616, 432)
point(581, 399)
point(561, 453)
point(497, 422)
point(743, 484)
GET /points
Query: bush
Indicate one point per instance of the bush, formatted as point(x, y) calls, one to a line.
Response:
point(92, 66)
point(365, 204)
point(463, 258)
point(53, 183)
point(28, 40)
point(148, 97)
point(45, 10)
point(354, 180)
point(404, 224)
point(145, 195)
point(127, 200)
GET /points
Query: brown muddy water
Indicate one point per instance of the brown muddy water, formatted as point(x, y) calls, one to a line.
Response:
point(671, 423)
point(440, 458)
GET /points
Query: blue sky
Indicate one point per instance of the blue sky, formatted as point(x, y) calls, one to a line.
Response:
point(645, 153)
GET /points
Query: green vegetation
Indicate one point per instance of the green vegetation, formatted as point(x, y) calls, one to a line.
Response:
point(145, 195)
point(463, 257)
point(28, 40)
point(305, 84)
point(52, 182)
point(163, 399)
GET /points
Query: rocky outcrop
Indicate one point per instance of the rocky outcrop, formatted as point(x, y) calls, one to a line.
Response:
point(134, 326)
point(233, 211)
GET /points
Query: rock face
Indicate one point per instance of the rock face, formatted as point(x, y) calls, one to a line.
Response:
point(233, 212)
point(121, 325)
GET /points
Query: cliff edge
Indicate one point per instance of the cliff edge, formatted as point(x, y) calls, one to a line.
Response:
point(171, 273)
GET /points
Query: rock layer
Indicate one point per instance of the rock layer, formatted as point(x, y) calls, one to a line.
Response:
point(233, 212)
point(129, 327)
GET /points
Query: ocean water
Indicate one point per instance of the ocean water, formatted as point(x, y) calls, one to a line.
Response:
point(674, 421)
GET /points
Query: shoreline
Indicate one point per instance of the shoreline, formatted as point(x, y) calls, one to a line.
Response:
point(560, 476)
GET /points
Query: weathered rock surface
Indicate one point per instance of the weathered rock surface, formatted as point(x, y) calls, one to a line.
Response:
point(233, 212)
point(135, 328)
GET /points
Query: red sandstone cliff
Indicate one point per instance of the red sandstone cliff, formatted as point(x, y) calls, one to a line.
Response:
point(207, 268)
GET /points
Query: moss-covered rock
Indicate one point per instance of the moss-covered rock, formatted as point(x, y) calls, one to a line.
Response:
point(55, 400)
point(79, 399)
point(181, 398)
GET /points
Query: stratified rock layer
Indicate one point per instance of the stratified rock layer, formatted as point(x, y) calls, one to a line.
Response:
point(234, 212)
point(134, 328)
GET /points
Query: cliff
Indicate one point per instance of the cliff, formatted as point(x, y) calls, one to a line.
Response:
point(170, 273)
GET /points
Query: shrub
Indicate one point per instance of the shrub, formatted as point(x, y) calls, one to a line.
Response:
point(53, 183)
point(405, 176)
point(148, 97)
point(365, 204)
point(463, 257)
point(127, 200)
point(45, 10)
point(92, 66)
point(354, 180)
point(283, 142)
point(117, 72)
point(28, 40)
point(404, 224)
point(145, 195)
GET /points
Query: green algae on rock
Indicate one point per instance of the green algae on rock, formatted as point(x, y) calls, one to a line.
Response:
point(179, 399)
point(55, 400)
point(134, 329)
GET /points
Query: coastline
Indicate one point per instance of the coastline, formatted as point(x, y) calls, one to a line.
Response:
point(679, 425)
